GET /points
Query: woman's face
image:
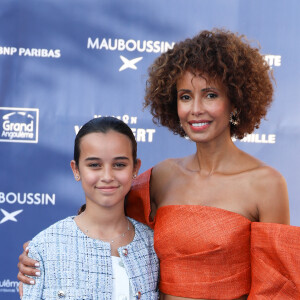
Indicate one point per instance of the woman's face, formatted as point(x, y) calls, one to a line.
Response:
point(203, 108)
point(106, 168)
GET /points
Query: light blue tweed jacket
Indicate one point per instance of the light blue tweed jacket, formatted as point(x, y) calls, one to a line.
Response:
point(74, 266)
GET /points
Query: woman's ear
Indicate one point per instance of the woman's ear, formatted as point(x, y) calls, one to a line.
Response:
point(75, 170)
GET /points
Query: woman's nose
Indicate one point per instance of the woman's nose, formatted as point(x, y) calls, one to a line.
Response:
point(197, 107)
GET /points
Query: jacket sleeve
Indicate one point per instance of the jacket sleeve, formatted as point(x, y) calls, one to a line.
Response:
point(34, 292)
point(275, 261)
point(138, 204)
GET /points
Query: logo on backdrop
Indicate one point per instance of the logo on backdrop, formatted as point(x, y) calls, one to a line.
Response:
point(22, 199)
point(273, 60)
point(9, 286)
point(31, 52)
point(19, 125)
point(258, 138)
point(129, 63)
point(27, 198)
point(140, 134)
point(9, 216)
point(129, 46)
point(149, 46)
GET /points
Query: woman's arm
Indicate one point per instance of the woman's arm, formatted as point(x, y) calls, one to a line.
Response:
point(273, 204)
point(27, 266)
point(34, 291)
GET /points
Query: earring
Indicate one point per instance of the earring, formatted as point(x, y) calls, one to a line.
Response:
point(134, 176)
point(77, 177)
point(234, 118)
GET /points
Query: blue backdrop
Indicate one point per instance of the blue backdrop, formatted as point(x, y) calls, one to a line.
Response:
point(64, 62)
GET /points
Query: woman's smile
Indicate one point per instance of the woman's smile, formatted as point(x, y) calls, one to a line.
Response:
point(203, 107)
point(199, 125)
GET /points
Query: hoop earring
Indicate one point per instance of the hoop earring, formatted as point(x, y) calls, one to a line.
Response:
point(234, 118)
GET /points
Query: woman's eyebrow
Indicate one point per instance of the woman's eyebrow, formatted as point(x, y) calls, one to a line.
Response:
point(209, 89)
point(184, 90)
point(202, 90)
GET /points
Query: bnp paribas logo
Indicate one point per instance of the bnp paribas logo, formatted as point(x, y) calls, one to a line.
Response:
point(19, 125)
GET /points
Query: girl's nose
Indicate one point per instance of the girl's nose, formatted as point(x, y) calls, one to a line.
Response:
point(107, 174)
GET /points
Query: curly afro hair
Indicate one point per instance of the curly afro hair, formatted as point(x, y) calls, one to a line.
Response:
point(223, 56)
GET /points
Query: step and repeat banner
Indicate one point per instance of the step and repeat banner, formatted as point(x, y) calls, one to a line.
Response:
point(65, 62)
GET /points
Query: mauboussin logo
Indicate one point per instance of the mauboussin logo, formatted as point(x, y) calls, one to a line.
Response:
point(19, 125)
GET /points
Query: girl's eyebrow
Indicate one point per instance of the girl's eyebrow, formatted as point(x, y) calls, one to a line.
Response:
point(92, 158)
point(115, 158)
point(121, 157)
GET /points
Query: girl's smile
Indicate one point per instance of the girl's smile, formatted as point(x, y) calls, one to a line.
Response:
point(105, 168)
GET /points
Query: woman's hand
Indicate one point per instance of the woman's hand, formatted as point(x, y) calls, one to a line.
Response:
point(27, 266)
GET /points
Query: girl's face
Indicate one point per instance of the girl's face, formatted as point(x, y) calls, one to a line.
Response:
point(203, 108)
point(106, 168)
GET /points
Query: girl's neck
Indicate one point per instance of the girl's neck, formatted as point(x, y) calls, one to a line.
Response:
point(102, 224)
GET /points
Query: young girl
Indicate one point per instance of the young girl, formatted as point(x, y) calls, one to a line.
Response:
point(99, 254)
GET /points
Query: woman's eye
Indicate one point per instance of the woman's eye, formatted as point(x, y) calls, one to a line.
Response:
point(211, 95)
point(185, 97)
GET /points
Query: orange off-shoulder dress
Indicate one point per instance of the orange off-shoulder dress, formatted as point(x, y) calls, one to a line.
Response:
point(212, 253)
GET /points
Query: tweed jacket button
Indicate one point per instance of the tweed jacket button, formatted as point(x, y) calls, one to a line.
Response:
point(125, 252)
point(61, 294)
point(138, 295)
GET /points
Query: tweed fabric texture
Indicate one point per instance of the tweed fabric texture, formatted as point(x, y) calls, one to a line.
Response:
point(212, 253)
point(81, 267)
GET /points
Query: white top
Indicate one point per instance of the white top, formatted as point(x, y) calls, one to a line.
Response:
point(121, 285)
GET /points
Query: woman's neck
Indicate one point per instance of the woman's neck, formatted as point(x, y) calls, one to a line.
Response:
point(214, 157)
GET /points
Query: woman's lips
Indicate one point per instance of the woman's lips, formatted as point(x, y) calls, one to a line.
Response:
point(199, 125)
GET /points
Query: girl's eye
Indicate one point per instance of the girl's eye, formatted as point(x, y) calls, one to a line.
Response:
point(94, 165)
point(119, 165)
point(211, 95)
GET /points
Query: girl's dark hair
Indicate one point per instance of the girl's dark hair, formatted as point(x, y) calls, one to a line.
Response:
point(103, 125)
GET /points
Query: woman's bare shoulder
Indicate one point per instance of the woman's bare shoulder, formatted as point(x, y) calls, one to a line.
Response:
point(272, 197)
point(164, 174)
point(163, 170)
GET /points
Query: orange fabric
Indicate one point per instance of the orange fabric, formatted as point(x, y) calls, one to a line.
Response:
point(207, 252)
point(200, 254)
point(275, 261)
point(138, 200)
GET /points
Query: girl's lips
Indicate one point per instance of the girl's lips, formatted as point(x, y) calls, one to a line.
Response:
point(107, 189)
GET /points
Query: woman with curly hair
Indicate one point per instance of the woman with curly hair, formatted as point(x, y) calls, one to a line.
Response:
point(220, 216)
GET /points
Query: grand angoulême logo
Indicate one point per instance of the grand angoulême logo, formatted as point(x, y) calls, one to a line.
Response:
point(20, 125)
